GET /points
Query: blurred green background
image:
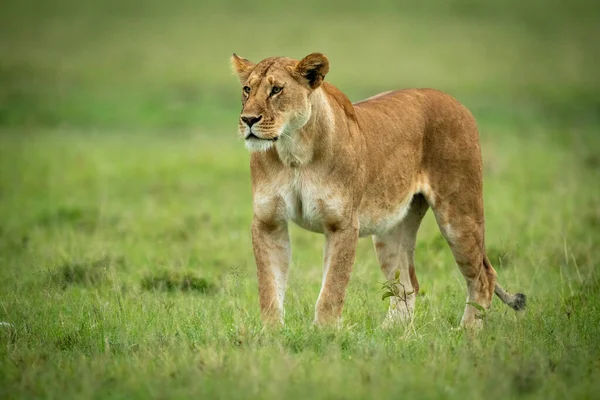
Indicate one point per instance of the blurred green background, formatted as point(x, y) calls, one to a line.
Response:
point(126, 266)
point(166, 64)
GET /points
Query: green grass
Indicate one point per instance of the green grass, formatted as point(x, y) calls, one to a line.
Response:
point(126, 267)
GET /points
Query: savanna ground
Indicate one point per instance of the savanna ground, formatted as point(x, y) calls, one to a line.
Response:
point(126, 268)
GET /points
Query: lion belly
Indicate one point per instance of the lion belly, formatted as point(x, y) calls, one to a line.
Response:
point(312, 208)
point(313, 204)
point(374, 222)
point(377, 221)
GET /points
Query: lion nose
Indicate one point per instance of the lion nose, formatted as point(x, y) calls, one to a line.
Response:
point(251, 120)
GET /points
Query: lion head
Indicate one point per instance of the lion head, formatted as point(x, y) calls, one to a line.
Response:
point(276, 96)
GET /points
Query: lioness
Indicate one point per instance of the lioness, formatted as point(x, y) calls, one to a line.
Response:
point(352, 170)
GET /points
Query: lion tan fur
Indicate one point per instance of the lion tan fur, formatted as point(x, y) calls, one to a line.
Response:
point(351, 170)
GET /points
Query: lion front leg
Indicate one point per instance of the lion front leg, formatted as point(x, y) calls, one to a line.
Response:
point(340, 250)
point(272, 250)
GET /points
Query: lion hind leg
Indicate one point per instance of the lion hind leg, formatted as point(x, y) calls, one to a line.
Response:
point(462, 225)
point(395, 252)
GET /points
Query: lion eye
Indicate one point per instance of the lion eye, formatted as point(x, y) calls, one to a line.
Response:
point(247, 89)
point(276, 89)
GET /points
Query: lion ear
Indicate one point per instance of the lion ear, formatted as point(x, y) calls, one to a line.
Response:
point(313, 68)
point(242, 67)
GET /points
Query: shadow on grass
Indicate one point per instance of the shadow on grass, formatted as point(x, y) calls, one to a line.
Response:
point(85, 273)
point(170, 281)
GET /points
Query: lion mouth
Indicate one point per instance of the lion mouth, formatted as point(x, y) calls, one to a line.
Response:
point(252, 136)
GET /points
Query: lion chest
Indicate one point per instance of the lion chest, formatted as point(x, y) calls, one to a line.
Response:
point(304, 198)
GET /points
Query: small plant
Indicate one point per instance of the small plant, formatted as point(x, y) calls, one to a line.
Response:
point(482, 311)
point(395, 288)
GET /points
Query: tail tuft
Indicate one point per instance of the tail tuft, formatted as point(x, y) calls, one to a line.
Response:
point(516, 301)
point(519, 302)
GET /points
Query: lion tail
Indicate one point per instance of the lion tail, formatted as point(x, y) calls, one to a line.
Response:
point(516, 301)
